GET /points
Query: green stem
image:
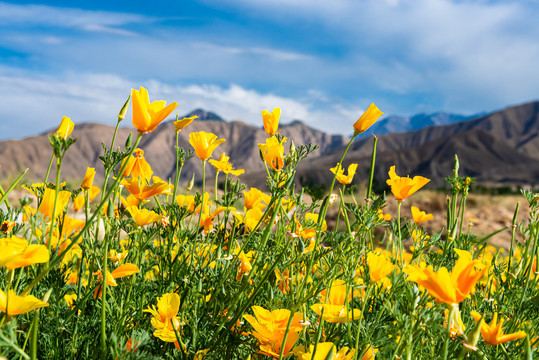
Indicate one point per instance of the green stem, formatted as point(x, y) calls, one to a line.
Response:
point(371, 172)
point(58, 168)
point(177, 169)
point(49, 169)
point(325, 204)
point(33, 344)
point(401, 247)
point(513, 229)
point(446, 342)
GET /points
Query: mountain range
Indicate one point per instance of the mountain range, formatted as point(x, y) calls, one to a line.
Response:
point(500, 147)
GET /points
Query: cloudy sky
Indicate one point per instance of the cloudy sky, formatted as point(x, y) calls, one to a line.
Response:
point(321, 61)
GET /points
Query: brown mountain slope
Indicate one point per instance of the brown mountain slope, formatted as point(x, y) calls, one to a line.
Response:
point(518, 125)
point(241, 146)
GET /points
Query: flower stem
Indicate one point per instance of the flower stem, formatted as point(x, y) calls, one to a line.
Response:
point(371, 172)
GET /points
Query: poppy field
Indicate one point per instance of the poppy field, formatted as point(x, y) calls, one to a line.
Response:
point(145, 268)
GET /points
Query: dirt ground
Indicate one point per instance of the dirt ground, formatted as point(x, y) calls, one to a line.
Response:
point(489, 213)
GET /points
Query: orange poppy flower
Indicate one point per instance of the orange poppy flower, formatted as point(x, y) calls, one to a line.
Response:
point(146, 115)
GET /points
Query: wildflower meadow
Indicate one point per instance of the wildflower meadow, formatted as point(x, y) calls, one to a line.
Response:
point(144, 268)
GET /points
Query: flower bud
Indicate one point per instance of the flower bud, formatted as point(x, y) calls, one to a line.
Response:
point(191, 183)
point(123, 111)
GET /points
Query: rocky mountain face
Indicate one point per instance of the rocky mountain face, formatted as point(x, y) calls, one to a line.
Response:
point(502, 147)
point(241, 146)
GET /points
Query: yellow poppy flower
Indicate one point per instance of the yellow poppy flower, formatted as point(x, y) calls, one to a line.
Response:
point(143, 217)
point(223, 165)
point(144, 191)
point(146, 115)
point(17, 253)
point(493, 333)
point(379, 266)
point(273, 152)
point(204, 143)
point(139, 167)
point(17, 305)
point(324, 351)
point(164, 317)
point(46, 206)
point(368, 118)
point(271, 120)
point(420, 216)
point(402, 187)
point(345, 179)
point(65, 128)
point(80, 199)
point(181, 124)
point(450, 288)
point(88, 178)
point(269, 328)
point(255, 198)
point(335, 309)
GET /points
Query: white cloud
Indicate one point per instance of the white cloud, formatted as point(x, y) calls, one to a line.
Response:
point(473, 54)
point(37, 103)
point(100, 21)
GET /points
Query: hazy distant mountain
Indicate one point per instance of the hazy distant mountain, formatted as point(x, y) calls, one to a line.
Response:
point(204, 115)
point(501, 147)
point(401, 124)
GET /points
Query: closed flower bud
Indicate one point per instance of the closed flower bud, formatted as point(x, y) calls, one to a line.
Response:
point(123, 111)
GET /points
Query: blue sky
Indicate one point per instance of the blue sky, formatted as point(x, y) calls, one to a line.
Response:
point(321, 61)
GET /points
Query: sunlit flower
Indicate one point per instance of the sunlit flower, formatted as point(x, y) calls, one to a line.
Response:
point(146, 115)
point(88, 178)
point(204, 143)
point(181, 124)
point(144, 191)
point(46, 207)
point(70, 300)
point(255, 198)
point(138, 166)
point(16, 305)
point(273, 152)
point(450, 288)
point(225, 166)
point(143, 217)
point(120, 272)
point(187, 201)
point(65, 128)
point(270, 327)
point(368, 118)
point(493, 333)
point(379, 266)
point(15, 252)
point(324, 351)
point(382, 216)
point(81, 199)
point(420, 216)
point(335, 308)
point(271, 120)
point(402, 187)
point(344, 179)
point(165, 320)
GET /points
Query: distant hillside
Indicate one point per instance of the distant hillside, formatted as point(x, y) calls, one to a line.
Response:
point(502, 147)
point(402, 124)
point(241, 145)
